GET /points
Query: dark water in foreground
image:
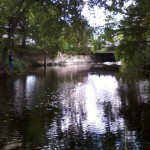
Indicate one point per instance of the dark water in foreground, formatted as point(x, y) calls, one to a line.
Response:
point(74, 108)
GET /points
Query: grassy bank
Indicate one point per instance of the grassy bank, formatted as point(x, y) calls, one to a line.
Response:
point(23, 57)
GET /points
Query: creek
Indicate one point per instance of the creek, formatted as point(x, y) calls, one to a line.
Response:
point(76, 107)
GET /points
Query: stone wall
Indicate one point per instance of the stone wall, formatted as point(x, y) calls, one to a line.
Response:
point(63, 59)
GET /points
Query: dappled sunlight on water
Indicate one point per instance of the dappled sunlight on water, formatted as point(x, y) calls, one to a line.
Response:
point(87, 103)
point(74, 108)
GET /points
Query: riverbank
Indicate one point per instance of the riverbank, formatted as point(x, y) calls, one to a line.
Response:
point(25, 60)
point(42, 107)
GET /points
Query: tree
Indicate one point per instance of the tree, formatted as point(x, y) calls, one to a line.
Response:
point(46, 22)
point(132, 32)
point(11, 12)
point(134, 46)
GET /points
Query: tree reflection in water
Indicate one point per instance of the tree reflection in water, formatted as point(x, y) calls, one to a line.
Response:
point(135, 96)
point(74, 108)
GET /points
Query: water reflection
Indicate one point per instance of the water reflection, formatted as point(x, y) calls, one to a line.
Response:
point(74, 107)
point(91, 100)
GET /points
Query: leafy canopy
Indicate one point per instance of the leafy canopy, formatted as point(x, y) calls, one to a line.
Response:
point(131, 34)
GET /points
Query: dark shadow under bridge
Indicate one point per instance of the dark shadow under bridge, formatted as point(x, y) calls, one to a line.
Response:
point(104, 57)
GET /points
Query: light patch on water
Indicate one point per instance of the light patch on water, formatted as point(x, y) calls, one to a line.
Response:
point(30, 84)
point(17, 96)
point(93, 103)
point(101, 92)
point(24, 92)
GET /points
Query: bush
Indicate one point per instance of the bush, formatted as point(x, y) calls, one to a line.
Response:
point(19, 65)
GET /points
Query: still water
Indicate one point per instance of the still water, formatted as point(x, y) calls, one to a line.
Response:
point(74, 108)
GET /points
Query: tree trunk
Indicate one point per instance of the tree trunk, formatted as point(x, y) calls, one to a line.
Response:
point(24, 26)
point(4, 54)
point(10, 35)
point(23, 43)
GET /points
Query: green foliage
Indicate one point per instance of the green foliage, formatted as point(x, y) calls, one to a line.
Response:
point(105, 41)
point(52, 25)
point(130, 36)
point(19, 65)
point(134, 46)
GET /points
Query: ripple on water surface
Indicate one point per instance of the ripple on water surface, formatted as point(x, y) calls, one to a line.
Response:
point(72, 111)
